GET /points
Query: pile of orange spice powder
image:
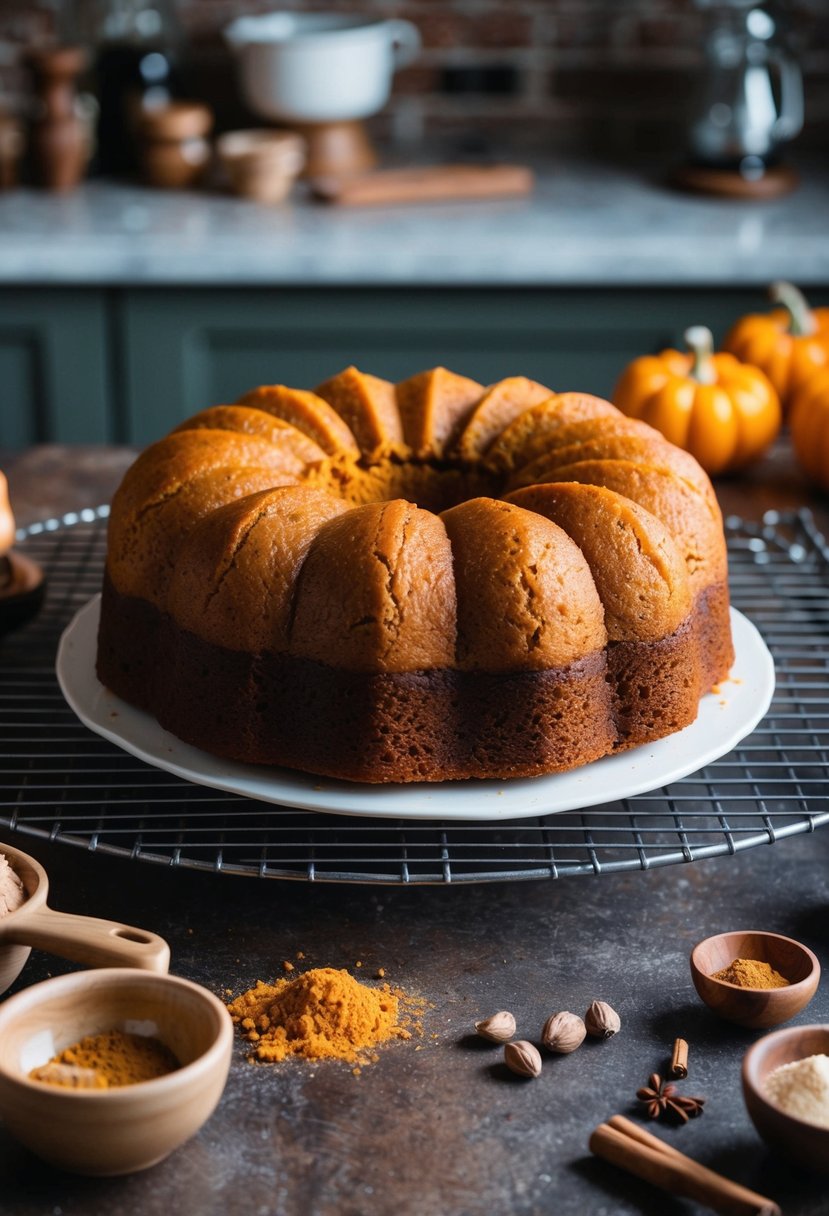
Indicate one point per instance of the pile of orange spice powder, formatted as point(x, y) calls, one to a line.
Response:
point(323, 1014)
point(751, 973)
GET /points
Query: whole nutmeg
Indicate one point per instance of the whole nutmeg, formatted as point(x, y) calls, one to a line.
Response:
point(601, 1021)
point(499, 1028)
point(523, 1058)
point(563, 1032)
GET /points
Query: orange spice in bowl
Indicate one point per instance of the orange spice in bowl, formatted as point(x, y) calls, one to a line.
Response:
point(751, 973)
point(755, 1003)
point(111, 1058)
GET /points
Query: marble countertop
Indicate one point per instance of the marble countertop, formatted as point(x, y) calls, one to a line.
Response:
point(585, 225)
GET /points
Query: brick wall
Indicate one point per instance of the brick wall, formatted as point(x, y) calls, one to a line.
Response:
point(600, 72)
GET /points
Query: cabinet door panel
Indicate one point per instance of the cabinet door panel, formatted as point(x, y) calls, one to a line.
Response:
point(186, 349)
point(53, 361)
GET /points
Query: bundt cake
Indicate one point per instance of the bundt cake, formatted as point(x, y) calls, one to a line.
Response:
point(416, 582)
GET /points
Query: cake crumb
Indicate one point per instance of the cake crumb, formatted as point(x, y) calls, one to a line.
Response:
point(287, 965)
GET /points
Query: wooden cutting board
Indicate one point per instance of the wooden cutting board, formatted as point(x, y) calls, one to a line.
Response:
point(425, 184)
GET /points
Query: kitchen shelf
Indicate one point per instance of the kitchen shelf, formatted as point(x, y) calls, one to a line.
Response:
point(59, 781)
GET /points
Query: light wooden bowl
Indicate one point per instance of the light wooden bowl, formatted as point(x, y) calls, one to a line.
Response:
point(799, 1141)
point(756, 1008)
point(262, 165)
point(120, 1130)
point(84, 939)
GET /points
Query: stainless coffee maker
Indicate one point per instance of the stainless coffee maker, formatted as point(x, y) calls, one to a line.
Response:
point(751, 101)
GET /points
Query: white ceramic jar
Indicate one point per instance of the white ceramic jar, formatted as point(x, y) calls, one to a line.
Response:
point(319, 68)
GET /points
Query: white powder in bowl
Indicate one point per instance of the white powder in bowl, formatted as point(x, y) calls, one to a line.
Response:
point(12, 891)
point(802, 1089)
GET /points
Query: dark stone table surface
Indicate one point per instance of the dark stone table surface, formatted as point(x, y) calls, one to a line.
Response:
point(443, 1129)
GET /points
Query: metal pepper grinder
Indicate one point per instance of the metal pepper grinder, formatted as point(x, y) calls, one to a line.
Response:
point(60, 143)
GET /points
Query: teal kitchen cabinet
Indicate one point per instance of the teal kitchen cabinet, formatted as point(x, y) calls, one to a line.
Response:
point(185, 349)
point(55, 367)
point(126, 364)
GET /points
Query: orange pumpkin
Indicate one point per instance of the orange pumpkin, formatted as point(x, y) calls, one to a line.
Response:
point(723, 412)
point(788, 343)
point(809, 425)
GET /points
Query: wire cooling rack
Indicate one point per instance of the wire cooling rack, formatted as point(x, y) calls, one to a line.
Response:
point(60, 781)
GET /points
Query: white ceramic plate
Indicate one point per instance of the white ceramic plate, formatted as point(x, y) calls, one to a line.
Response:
point(724, 719)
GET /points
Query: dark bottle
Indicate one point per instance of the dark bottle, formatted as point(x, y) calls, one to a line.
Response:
point(133, 46)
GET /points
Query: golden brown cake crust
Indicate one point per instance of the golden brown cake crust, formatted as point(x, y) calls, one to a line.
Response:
point(637, 569)
point(307, 412)
point(501, 404)
point(368, 405)
point(395, 607)
point(281, 592)
point(531, 434)
point(433, 407)
point(247, 421)
point(234, 583)
point(526, 599)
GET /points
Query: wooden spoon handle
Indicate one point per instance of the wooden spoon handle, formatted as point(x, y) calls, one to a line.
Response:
point(671, 1171)
point(425, 184)
point(85, 939)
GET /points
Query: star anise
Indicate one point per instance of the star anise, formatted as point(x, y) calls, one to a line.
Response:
point(661, 1098)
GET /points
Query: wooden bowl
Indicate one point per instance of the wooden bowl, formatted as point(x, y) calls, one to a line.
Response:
point(174, 149)
point(756, 1008)
point(112, 1131)
point(262, 165)
point(84, 939)
point(799, 1141)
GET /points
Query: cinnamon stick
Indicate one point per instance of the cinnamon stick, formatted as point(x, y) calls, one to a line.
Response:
point(633, 1149)
point(679, 1059)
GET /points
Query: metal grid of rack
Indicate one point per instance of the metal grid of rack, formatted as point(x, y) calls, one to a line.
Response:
point(60, 781)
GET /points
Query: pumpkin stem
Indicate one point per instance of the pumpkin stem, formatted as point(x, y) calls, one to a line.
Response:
point(700, 342)
point(801, 320)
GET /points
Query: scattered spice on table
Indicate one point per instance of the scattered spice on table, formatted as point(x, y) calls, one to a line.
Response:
point(324, 1014)
point(108, 1060)
point(801, 1089)
point(751, 973)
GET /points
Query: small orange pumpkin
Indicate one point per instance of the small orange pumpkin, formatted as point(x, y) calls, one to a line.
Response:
point(788, 343)
point(723, 412)
point(809, 425)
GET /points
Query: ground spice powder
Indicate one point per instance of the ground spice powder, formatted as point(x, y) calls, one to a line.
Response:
point(751, 973)
point(102, 1061)
point(322, 1014)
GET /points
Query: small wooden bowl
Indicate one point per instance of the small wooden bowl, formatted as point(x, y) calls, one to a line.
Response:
point(175, 151)
point(799, 1141)
point(260, 164)
point(756, 1008)
point(112, 1131)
